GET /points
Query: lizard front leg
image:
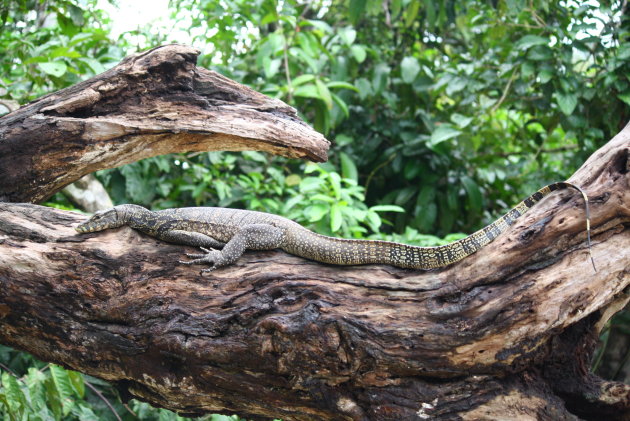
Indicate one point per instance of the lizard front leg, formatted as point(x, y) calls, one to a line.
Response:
point(253, 237)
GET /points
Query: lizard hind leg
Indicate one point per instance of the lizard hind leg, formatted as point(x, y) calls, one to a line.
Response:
point(253, 237)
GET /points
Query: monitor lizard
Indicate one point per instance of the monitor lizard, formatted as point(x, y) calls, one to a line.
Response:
point(224, 234)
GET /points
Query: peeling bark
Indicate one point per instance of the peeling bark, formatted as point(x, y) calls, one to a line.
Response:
point(506, 333)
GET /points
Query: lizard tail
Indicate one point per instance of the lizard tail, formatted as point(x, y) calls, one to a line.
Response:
point(339, 251)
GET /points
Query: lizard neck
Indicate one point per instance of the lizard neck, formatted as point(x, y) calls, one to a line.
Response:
point(134, 216)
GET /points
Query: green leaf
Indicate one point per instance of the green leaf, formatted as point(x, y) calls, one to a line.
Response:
point(343, 139)
point(63, 387)
point(14, 396)
point(380, 78)
point(409, 69)
point(359, 53)
point(310, 184)
point(540, 53)
point(307, 91)
point(63, 52)
point(365, 88)
point(78, 384)
point(341, 104)
point(321, 197)
point(324, 93)
point(357, 7)
point(292, 180)
point(412, 11)
point(56, 68)
point(625, 97)
point(623, 53)
point(474, 194)
point(527, 69)
point(461, 120)
point(387, 208)
point(531, 40)
point(348, 168)
point(442, 133)
point(374, 220)
point(336, 218)
point(85, 413)
point(566, 101)
point(271, 67)
point(545, 76)
point(316, 212)
point(348, 35)
point(341, 85)
point(335, 183)
point(302, 79)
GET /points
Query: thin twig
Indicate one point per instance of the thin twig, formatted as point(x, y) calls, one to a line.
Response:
point(505, 92)
point(539, 151)
point(374, 171)
point(4, 367)
point(104, 399)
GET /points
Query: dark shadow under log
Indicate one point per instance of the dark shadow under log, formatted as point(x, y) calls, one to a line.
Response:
point(506, 333)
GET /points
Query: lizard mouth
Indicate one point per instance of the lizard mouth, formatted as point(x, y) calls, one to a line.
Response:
point(92, 226)
point(83, 228)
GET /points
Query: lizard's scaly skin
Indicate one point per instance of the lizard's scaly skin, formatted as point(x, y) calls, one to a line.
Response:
point(236, 230)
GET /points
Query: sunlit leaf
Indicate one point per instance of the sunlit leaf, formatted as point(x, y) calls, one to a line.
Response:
point(348, 168)
point(341, 85)
point(336, 218)
point(359, 53)
point(387, 208)
point(57, 68)
point(317, 211)
point(324, 93)
point(531, 40)
point(566, 101)
point(347, 34)
point(444, 132)
point(409, 69)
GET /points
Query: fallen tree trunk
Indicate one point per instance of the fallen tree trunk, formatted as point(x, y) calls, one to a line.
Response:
point(506, 333)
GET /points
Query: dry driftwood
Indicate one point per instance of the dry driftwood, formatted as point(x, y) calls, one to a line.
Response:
point(506, 333)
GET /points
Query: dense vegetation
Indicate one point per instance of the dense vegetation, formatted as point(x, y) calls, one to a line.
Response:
point(449, 111)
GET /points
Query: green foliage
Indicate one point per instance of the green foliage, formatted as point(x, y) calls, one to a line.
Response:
point(33, 391)
point(52, 45)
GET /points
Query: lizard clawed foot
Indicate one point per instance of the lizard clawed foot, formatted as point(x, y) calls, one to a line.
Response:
point(211, 257)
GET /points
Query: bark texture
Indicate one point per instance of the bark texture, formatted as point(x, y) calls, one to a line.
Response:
point(507, 333)
point(152, 103)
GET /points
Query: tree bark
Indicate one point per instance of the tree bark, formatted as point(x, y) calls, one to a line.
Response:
point(506, 333)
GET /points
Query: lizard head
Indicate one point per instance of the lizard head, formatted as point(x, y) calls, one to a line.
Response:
point(101, 220)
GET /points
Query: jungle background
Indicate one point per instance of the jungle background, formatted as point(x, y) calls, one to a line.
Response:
point(442, 115)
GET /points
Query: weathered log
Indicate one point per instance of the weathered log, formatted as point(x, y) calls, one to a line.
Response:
point(506, 333)
point(152, 103)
